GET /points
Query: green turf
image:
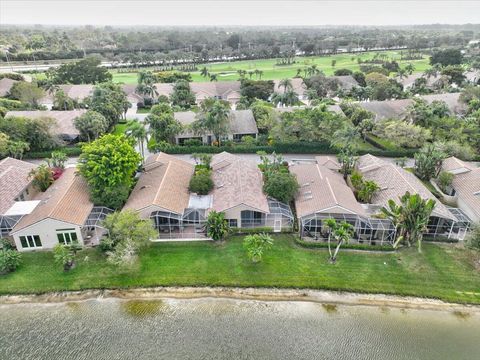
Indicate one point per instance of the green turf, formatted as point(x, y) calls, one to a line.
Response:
point(272, 71)
point(441, 271)
point(119, 129)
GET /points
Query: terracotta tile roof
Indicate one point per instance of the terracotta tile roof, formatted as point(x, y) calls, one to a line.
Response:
point(241, 122)
point(394, 182)
point(5, 86)
point(237, 181)
point(64, 119)
point(466, 183)
point(323, 191)
point(164, 183)
point(13, 180)
point(67, 199)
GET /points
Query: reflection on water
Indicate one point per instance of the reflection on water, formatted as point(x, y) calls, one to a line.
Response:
point(232, 329)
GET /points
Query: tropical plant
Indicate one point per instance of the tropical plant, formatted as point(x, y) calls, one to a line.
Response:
point(347, 159)
point(341, 233)
point(91, 125)
point(428, 162)
point(473, 238)
point(10, 259)
point(256, 245)
point(57, 160)
point(204, 72)
point(42, 177)
point(410, 218)
point(367, 191)
point(281, 186)
point(217, 226)
point(215, 120)
point(444, 180)
point(136, 130)
point(64, 256)
point(201, 182)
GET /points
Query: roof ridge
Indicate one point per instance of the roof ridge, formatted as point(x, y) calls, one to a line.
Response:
point(161, 182)
point(71, 181)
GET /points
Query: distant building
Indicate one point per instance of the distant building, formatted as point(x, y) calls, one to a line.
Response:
point(5, 86)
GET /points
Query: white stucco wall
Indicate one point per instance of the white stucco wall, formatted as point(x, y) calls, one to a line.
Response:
point(47, 230)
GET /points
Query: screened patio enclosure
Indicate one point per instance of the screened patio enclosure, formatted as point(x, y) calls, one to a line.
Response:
point(93, 230)
point(439, 227)
point(279, 217)
point(369, 231)
point(189, 225)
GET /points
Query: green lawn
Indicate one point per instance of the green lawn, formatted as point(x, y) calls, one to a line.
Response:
point(441, 272)
point(272, 71)
point(119, 129)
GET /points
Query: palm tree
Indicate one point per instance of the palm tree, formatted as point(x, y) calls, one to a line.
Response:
point(342, 233)
point(250, 74)
point(410, 218)
point(242, 73)
point(299, 71)
point(136, 130)
point(204, 72)
point(286, 84)
point(260, 74)
point(401, 73)
point(213, 77)
point(409, 68)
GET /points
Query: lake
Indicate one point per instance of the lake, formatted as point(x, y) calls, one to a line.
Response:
point(210, 328)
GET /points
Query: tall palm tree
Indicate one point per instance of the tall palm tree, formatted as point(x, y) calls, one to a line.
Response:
point(409, 68)
point(242, 73)
point(204, 72)
point(250, 74)
point(286, 84)
point(299, 71)
point(342, 233)
point(213, 77)
point(137, 130)
point(410, 218)
point(260, 74)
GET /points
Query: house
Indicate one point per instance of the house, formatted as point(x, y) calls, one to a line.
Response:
point(346, 82)
point(64, 121)
point(64, 214)
point(76, 92)
point(222, 90)
point(324, 195)
point(15, 190)
point(238, 192)
point(465, 186)
point(432, 82)
point(241, 123)
point(298, 87)
point(473, 76)
point(5, 86)
point(162, 194)
point(394, 182)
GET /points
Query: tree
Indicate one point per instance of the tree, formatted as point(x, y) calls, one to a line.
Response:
point(64, 255)
point(455, 74)
point(409, 68)
point(444, 180)
point(334, 62)
point(163, 125)
point(4, 143)
point(347, 159)
point(204, 72)
point(42, 177)
point(446, 57)
point(260, 89)
point(62, 102)
point(256, 245)
point(213, 77)
point(342, 233)
point(286, 84)
point(136, 130)
point(109, 100)
point(127, 233)
point(85, 71)
point(146, 84)
point(343, 72)
point(201, 182)
point(473, 238)
point(182, 96)
point(367, 191)
point(27, 92)
point(281, 185)
point(401, 133)
point(91, 125)
point(108, 165)
point(428, 162)
point(264, 115)
point(410, 218)
point(323, 85)
point(57, 160)
point(215, 120)
point(217, 226)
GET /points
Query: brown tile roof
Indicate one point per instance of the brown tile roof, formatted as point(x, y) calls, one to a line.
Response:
point(237, 181)
point(328, 161)
point(164, 183)
point(5, 86)
point(346, 82)
point(297, 86)
point(67, 199)
point(64, 119)
point(323, 191)
point(466, 183)
point(394, 182)
point(388, 109)
point(13, 180)
point(451, 99)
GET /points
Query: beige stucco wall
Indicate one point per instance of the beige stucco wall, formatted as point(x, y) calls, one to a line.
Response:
point(47, 230)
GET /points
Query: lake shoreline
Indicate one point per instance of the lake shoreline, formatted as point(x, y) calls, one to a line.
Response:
point(256, 294)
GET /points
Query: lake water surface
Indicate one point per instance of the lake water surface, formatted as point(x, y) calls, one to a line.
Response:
point(232, 329)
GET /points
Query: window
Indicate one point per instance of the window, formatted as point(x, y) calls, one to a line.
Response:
point(66, 236)
point(232, 223)
point(30, 241)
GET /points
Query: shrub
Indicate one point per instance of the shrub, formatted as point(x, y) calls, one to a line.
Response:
point(9, 260)
point(63, 256)
point(444, 180)
point(324, 245)
point(473, 239)
point(281, 186)
point(201, 182)
point(217, 226)
point(42, 177)
point(193, 142)
point(256, 244)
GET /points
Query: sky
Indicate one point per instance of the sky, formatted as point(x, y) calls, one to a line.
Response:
point(234, 12)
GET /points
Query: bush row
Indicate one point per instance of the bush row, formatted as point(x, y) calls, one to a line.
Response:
point(282, 148)
point(69, 150)
point(257, 230)
point(439, 239)
point(324, 245)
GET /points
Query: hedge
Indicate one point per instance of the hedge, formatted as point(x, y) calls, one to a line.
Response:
point(440, 239)
point(258, 230)
point(69, 150)
point(282, 148)
point(324, 245)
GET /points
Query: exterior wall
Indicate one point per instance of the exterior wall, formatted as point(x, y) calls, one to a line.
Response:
point(236, 213)
point(47, 230)
point(27, 194)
